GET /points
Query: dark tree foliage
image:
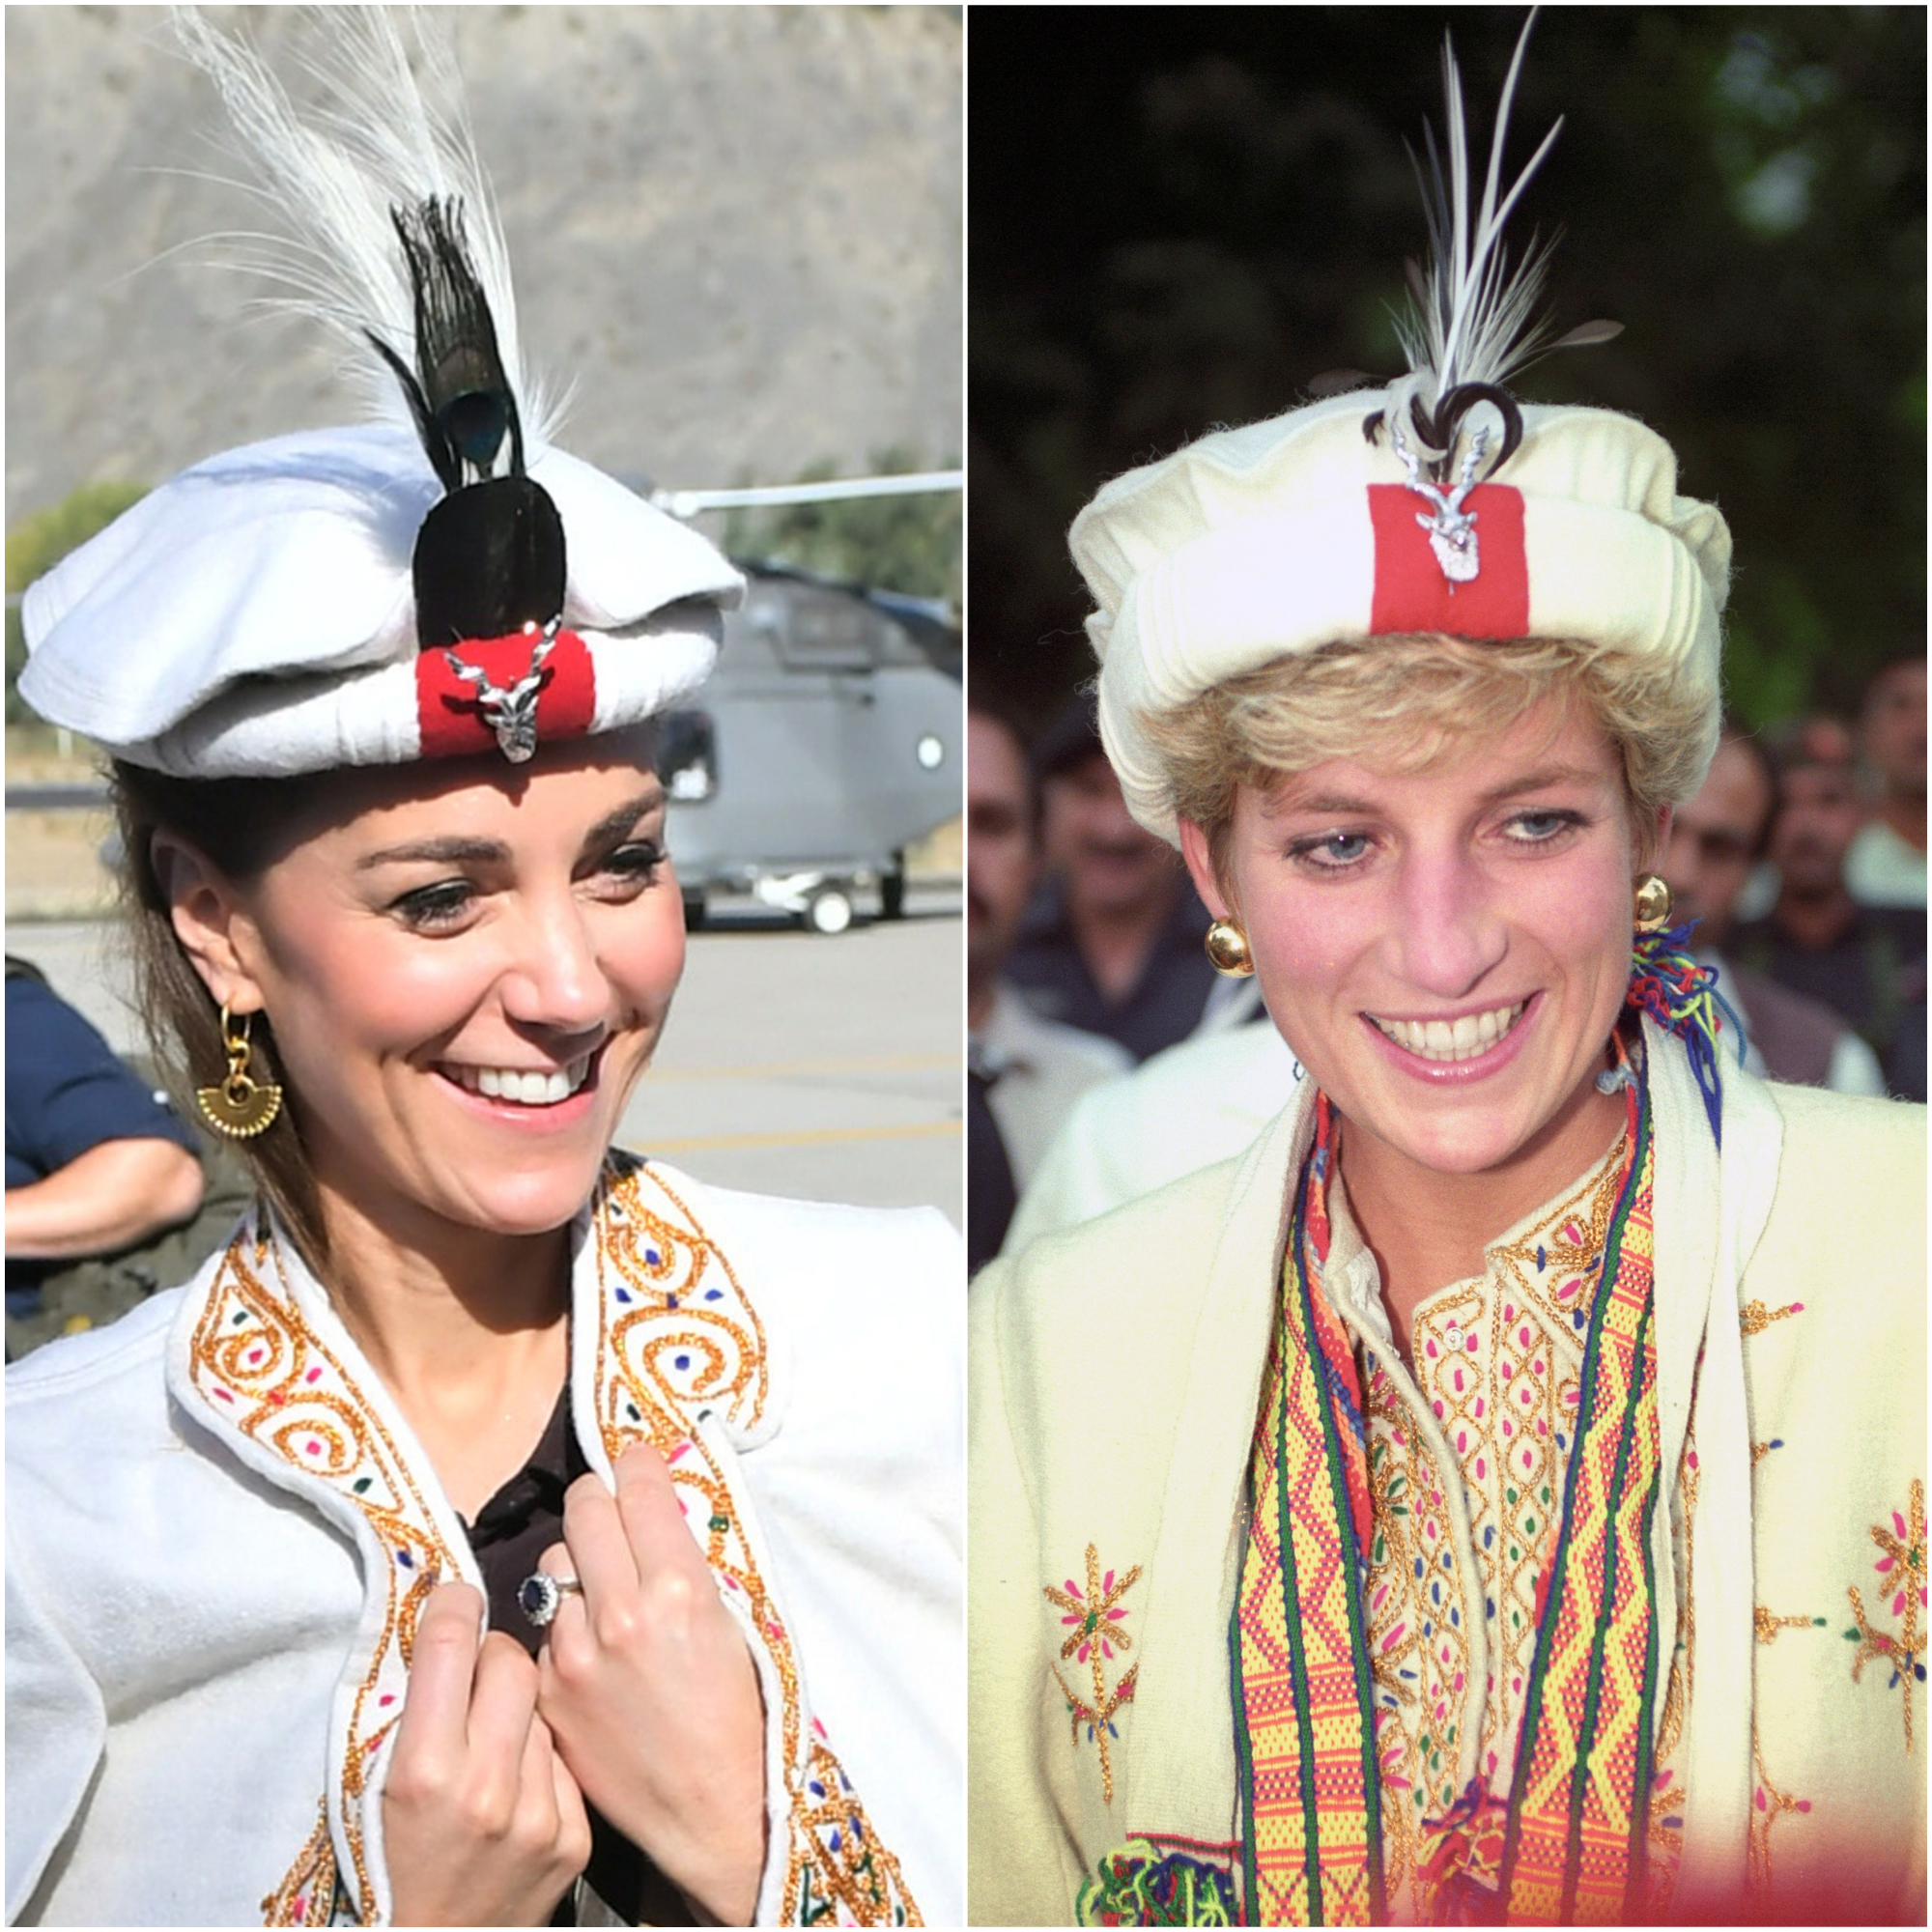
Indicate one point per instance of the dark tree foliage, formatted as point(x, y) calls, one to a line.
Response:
point(1180, 215)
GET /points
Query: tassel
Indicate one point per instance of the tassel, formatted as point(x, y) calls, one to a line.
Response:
point(1682, 997)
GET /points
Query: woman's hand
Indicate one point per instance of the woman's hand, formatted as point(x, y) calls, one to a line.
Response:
point(650, 1692)
point(481, 1822)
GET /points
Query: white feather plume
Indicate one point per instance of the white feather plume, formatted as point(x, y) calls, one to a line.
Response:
point(1470, 321)
point(394, 134)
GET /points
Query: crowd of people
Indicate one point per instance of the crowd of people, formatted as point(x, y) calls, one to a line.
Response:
point(1801, 859)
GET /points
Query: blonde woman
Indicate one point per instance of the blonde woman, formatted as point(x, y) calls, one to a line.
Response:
point(1498, 1494)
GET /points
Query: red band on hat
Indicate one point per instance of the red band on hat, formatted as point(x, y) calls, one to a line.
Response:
point(1411, 593)
point(454, 715)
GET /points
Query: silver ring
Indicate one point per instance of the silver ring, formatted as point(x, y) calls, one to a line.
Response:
point(540, 1595)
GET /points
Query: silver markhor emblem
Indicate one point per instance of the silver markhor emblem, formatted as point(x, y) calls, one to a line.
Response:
point(509, 710)
point(1452, 531)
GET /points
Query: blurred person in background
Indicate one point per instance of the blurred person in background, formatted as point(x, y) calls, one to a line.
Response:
point(97, 1162)
point(1863, 962)
point(1112, 941)
point(1715, 839)
point(1886, 865)
point(1026, 1070)
point(1191, 1104)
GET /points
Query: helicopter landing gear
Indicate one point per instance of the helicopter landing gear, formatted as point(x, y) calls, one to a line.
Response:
point(829, 910)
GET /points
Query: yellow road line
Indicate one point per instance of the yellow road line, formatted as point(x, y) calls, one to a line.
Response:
point(811, 1137)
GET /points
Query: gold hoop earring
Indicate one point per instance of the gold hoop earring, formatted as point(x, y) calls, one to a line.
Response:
point(1227, 946)
point(1653, 903)
point(240, 1107)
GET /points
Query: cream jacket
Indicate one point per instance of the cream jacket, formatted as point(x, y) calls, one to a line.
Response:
point(1114, 1376)
point(219, 1527)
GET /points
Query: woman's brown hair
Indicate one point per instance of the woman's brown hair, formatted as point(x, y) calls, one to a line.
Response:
point(239, 825)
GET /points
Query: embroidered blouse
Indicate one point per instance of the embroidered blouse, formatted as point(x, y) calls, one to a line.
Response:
point(1467, 1460)
point(267, 1509)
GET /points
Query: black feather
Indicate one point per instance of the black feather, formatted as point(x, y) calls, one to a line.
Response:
point(458, 363)
point(490, 557)
point(442, 457)
point(489, 561)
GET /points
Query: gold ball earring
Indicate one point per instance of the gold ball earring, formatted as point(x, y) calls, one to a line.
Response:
point(240, 1107)
point(1227, 946)
point(1653, 903)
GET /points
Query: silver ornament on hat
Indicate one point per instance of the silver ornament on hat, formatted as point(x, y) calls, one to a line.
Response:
point(1452, 529)
point(509, 710)
point(1467, 328)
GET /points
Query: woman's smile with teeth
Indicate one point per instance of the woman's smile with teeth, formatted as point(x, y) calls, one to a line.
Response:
point(1452, 1039)
point(526, 1088)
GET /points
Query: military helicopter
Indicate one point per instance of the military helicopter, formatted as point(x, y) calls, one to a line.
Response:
point(828, 740)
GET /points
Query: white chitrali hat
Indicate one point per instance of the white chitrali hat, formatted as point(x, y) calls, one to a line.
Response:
point(439, 584)
point(1438, 505)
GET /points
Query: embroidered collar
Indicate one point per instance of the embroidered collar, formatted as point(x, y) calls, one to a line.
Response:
point(665, 1347)
point(1352, 1281)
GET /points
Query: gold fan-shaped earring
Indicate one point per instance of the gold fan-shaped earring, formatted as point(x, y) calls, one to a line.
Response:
point(1227, 946)
point(240, 1107)
point(1653, 903)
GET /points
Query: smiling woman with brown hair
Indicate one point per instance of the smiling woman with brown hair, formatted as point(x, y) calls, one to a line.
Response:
point(494, 1531)
point(1483, 1471)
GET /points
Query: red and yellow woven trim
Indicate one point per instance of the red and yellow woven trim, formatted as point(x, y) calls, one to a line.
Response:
point(1568, 1845)
point(1578, 1809)
point(1303, 1741)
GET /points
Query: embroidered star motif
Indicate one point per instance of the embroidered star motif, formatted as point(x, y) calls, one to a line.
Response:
point(1902, 1558)
point(1096, 1634)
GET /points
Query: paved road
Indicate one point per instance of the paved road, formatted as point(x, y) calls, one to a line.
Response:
point(830, 1068)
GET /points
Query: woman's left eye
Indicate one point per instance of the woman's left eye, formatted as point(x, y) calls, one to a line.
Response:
point(1538, 828)
point(635, 863)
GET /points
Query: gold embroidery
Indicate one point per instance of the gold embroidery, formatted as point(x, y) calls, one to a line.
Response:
point(1754, 1317)
point(306, 1896)
point(1098, 1631)
point(1100, 1721)
point(1904, 1554)
point(1768, 1626)
point(259, 1368)
point(1767, 1805)
point(677, 1339)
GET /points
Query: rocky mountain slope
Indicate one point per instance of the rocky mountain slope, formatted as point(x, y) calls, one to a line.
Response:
point(738, 228)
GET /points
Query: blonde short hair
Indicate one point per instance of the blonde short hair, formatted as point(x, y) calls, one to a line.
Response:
point(1408, 701)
